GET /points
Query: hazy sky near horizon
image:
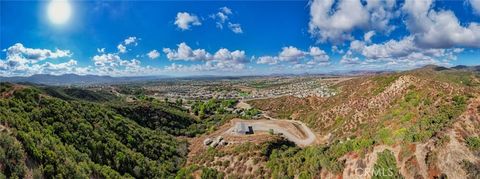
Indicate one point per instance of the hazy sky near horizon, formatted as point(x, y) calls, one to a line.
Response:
point(130, 38)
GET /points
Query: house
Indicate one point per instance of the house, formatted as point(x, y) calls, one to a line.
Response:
point(242, 128)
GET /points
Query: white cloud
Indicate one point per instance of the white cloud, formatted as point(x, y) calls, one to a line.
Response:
point(101, 50)
point(439, 29)
point(299, 58)
point(104, 59)
point(222, 17)
point(268, 60)
point(335, 24)
point(475, 5)
point(222, 60)
point(184, 20)
point(335, 49)
point(226, 10)
point(112, 64)
point(334, 21)
point(23, 61)
point(402, 52)
point(121, 48)
point(60, 68)
point(367, 37)
point(236, 28)
point(3, 65)
point(131, 40)
point(291, 54)
point(348, 60)
point(174, 67)
point(224, 55)
point(35, 55)
point(153, 54)
point(389, 49)
point(381, 12)
point(318, 55)
point(184, 52)
point(134, 63)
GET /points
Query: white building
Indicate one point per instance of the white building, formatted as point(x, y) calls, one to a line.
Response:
point(242, 128)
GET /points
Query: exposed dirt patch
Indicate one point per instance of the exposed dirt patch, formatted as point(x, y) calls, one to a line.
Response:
point(10, 92)
point(243, 105)
point(294, 131)
point(197, 147)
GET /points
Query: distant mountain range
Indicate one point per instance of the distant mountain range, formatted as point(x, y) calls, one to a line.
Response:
point(74, 79)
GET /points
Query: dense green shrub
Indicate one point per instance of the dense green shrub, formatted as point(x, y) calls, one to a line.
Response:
point(473, 143)
point(171, 119)
point(203, 109)
point(386, 166)
point(430, 124)
point(5, 86)
point(210, 173)
point(12, 156)
point(76, 139)
point(186, 172)
point(287, 161)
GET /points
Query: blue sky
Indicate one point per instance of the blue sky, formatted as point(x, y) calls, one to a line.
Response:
point(129, 38)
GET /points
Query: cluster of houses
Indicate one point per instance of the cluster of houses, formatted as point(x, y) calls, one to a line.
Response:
point(300, 90)
point(230, 89)
point(198, 91)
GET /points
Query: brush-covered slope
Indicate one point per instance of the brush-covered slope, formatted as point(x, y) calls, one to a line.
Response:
point(58, 135)
point(406, 97)
point(427, 119)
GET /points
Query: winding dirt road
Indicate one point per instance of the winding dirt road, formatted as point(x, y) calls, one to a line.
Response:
point(294, 131)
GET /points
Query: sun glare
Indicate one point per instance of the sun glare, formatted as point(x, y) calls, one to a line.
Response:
point(59, 11)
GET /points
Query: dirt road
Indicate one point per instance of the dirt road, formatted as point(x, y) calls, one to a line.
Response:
point(294, 131)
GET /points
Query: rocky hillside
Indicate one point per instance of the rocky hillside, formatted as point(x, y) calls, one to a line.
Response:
point(422, 123)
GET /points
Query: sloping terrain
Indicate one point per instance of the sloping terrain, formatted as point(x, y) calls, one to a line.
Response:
point(426, 119)
point(73, 93)
point(423, 123)
point(47, 136)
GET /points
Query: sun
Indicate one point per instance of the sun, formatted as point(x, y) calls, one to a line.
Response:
point(59, 11)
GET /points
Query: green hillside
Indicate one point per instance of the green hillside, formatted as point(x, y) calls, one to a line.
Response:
point(47, 133)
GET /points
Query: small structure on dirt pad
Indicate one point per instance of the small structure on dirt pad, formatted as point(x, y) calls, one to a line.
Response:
point(242, 128)
point(207, 141)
